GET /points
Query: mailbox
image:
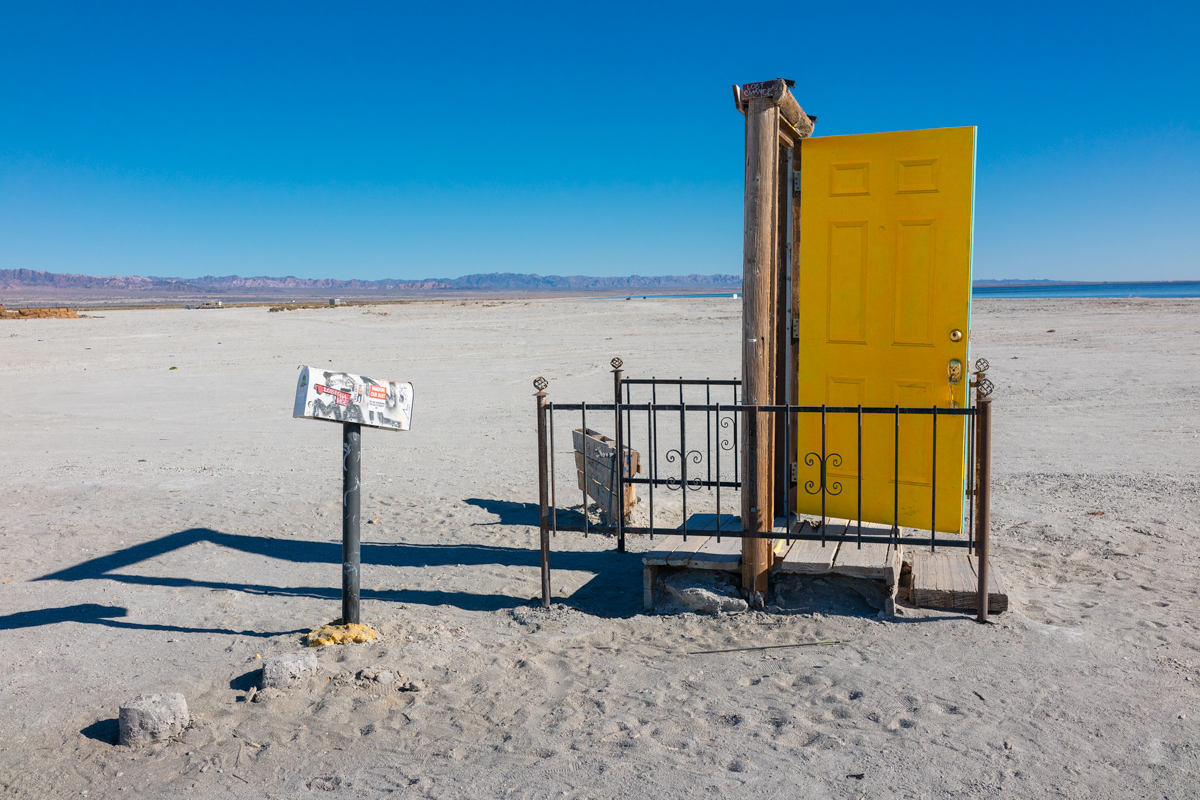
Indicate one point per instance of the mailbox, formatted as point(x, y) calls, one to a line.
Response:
point(342, 397)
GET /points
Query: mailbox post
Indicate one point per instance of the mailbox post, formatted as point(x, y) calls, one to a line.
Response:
point(351, 505)
point(353, 401)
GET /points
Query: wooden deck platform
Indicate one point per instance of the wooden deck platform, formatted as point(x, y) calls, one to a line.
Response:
point(950, 580)
point(702, 550)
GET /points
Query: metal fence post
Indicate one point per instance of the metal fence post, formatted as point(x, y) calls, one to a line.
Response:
point(543, 487)
point(984, 518)
point(619, 482)
point(351, 505)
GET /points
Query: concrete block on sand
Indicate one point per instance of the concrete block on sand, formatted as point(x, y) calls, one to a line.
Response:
point(702, 592)
point(280, 672)
point(151, 718)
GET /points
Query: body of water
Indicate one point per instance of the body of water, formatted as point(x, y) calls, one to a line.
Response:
point(1135, 289)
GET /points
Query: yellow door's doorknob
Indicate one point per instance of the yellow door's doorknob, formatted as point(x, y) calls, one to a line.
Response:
point(956, 335)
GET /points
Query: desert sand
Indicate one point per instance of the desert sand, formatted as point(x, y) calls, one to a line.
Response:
point(164, 528)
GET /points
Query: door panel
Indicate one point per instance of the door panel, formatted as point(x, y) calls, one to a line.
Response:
point(884, 273)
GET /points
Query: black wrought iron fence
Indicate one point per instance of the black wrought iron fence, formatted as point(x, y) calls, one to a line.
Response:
point(693, 446)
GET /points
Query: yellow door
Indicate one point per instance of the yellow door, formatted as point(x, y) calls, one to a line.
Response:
point(885, 308)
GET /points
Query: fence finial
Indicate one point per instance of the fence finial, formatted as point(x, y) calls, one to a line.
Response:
point(540, 383)
point(617, 363)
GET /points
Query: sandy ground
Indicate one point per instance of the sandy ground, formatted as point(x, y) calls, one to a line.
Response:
point(162, 528)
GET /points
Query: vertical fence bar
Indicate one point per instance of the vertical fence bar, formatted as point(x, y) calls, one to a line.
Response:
point(896, 479)
point(654, 401)
point(969, 422)
point(629, 438)
point(628, 418)
point(985, 502)
point(544, 494)
point(719, 473)
point(649, 428)
point(553, 482)
point(860, 476)
point(933, 489)
point(787, 475)
point(683, 459)
point(708, 433)
point(736, 450)
point(583, 424)
point(619, 457)
point(822, 473)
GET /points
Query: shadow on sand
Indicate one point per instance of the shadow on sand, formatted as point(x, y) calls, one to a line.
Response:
point(614, 591)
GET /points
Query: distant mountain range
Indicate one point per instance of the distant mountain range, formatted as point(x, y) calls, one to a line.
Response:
point(27, 286)
point(24, 279)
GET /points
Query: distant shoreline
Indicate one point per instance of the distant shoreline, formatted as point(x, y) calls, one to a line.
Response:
point(31, 288)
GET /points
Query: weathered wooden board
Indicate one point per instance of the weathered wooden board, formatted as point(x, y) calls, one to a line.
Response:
point(950, 581)
point(807, 557)
point(708, 522)
point(596, 471)
point(872, 560)
point(595, 446)
point(723, 555)
point(665, 546)
point(687, 550)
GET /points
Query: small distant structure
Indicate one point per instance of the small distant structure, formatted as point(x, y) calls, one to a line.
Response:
point(208, 304)
point(336, 301)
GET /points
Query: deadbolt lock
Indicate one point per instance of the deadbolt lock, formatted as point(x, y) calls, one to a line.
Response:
point(956, 335)
point(955, 370)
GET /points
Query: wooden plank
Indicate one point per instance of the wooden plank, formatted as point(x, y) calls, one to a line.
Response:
point(873, 560)
point(686, 550)
point(759, 270)
point(807, 557)
point(708, 522)
point(594, 454)
point(725, 555)
point(659, 555)
point(595, 446)
point(950, 581)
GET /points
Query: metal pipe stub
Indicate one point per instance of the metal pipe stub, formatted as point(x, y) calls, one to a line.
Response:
point(544, 479)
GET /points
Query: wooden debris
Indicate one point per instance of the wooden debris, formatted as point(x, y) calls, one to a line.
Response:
point(596, 471)
point(950, 581)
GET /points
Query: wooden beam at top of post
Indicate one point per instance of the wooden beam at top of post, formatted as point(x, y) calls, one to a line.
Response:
point(767, 105)
point(778, 91)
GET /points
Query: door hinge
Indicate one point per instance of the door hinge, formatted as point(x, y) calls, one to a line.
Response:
point(795, 472)
point(796, 182)
point(796, 328)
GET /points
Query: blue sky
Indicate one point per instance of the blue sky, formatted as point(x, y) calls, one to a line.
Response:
point(389, 140)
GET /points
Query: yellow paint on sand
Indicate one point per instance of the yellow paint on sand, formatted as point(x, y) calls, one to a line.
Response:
point(340, 634)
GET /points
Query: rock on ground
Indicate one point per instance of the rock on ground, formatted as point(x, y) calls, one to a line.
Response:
point(151, 718)
point(702, 592)
point(280, 672)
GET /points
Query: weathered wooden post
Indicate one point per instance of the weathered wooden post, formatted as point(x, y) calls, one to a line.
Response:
point(773, 120)
point(544, 479)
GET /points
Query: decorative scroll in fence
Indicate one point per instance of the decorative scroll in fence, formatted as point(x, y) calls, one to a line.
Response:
point(596, 468)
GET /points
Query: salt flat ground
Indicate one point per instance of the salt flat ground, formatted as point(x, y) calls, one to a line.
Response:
point(162, 528)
